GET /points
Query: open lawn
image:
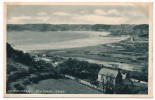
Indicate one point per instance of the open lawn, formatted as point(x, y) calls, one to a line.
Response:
point(62, 86)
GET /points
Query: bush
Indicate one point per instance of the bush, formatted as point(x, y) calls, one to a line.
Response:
point(19, 86)
point(79, 69)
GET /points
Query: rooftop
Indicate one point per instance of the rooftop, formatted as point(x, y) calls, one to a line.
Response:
point(108, 72)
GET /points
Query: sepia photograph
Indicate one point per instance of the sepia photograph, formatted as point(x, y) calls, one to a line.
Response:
point(78, 49)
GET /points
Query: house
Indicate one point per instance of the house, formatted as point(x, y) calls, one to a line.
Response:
point(106, 74)
point(132, 39)
point(113, 79)
point(43, 55)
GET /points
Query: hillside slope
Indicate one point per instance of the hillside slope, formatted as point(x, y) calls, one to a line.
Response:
point(23, 70)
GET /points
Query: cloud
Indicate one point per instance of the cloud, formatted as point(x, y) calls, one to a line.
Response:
point(111, 12)
point(42, 14)
point(15, 20)
point(114, 12)
point(98, 19)
point(62, 14)
point(83, 12)
point(42, 19)
point(28, 19)
point(100, 12)
point(78, 14)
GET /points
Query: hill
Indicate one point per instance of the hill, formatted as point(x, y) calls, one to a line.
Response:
point(122, 29)
point(23, 70)
point(24, 74)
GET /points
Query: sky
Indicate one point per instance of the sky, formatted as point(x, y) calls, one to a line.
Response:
point(77, 14)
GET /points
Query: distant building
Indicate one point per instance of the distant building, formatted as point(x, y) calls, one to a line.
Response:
point(132, 39)
point(106, 74)
point(108, 78)
point(43, 55)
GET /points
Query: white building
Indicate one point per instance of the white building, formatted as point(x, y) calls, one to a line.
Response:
point(109, 75)
point(132, 39)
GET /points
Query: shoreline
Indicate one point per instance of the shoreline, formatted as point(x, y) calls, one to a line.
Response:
point(71, 44)
point(93, 39)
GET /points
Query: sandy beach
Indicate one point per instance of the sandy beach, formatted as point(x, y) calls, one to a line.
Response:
point(89, 39)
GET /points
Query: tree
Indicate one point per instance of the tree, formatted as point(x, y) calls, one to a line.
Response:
point(118, 83)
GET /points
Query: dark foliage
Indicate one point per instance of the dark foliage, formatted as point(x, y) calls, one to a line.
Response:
point(73, 27)
point(118, 79)
point(10, 50)
point(18, 56)
point(35, 72)
point(99, 27)
point(79, 69)
point(141, 27)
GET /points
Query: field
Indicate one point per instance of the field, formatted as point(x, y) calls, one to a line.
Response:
point(62, 86)
point(128, 55)
point(135, 53)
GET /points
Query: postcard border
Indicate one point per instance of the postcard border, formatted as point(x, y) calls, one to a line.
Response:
point(150, 74)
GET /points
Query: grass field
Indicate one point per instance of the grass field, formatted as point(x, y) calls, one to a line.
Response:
point(62, 86)
point(129, 55)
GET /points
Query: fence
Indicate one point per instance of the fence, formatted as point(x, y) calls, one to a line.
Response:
point(84, 82)
point(138, 81)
